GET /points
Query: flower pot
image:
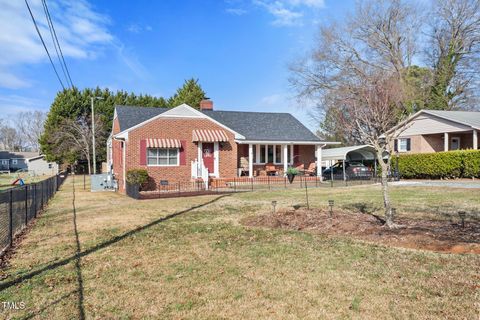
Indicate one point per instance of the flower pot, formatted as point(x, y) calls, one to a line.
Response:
point(290, 177)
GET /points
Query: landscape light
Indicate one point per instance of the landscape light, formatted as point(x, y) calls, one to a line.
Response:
point(462, 215)
point(274, 204)
point(330, 204)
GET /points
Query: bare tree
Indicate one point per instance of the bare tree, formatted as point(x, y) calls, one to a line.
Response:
point(30, 127)
point(76, 136)
point(371, 111)
point(357, 71)
point(454, 53)
point(9, 137)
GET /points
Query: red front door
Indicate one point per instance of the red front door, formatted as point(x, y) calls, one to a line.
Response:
point(207, 155)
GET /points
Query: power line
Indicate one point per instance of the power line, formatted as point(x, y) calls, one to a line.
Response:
point(56, 43)
point(44, 46)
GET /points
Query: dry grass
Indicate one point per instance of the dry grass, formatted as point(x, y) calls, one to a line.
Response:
point(202, 264)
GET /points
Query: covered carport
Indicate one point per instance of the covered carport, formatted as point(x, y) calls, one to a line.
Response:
point(364, 153)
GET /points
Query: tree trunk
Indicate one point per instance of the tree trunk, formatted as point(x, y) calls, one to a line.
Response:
point(89, 166)
point(386, 195)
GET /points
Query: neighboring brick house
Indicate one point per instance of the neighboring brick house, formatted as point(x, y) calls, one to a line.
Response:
point(182, 144)
point(435, 131)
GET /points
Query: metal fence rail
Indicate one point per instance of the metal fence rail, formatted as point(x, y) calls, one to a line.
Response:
point(242, 184)
point(18, 206)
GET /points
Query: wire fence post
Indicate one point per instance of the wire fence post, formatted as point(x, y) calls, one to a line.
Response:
point(26, 205)
point(268, 181)
point(251, 181)
point(35, 200)
point(10, 218)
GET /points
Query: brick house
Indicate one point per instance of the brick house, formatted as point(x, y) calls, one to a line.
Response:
point(434, 131)
point(182, 144)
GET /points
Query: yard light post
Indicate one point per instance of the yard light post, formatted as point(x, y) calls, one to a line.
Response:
point(462, 215)
point(93, 133)
point(274, 204)
point(330, 204)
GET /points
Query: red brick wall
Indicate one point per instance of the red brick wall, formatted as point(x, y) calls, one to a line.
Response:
point(306, 154)
point(181, 129)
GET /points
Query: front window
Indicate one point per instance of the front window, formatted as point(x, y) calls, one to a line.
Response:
point(270, 154)
point(14, 161)
point(278, 154)
point(162, 157)
point(4, 162)
point(402, 145)
point(262, 154)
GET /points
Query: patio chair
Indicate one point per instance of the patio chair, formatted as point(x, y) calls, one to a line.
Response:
point(270, 169)
point(312, 169)
point(300, 167)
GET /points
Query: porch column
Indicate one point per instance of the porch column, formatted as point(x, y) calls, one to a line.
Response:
point(285, 158)
point(318, 154)
point(445, 141)
point(475, 139)
point(250, 160)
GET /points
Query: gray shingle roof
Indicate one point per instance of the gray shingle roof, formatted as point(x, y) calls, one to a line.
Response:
point(471, 118)
point(264, 125)
point(252, 125)
point(17, 154)
point(129, 116)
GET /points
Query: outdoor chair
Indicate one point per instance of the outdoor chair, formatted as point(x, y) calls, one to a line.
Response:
point(270, 169)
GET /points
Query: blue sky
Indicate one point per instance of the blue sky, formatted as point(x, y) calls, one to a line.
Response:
point(238, 49)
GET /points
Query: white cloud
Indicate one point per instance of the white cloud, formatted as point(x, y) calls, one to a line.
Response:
point(288, 12)
point(236, 11)
point(13, 104)
point(136, 28)
point(81, 31)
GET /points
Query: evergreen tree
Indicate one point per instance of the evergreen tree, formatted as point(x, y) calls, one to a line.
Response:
point(190, 93)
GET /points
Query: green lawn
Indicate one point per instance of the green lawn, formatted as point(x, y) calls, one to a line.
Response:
point(134, 259)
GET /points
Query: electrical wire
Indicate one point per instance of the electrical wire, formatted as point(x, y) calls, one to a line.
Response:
point(56, 43)
point(43, 42)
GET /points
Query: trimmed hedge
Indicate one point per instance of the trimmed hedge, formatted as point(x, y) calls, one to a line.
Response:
point(448, 165)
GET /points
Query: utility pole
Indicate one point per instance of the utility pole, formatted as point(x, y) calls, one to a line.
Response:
point(93, 134)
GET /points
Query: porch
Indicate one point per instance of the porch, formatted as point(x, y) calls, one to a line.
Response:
point(265, 158)
point(439, 142)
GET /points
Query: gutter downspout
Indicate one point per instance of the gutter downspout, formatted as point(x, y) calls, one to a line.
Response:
point(124, 146)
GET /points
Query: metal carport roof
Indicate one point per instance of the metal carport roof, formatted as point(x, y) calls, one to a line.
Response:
point(366, 151)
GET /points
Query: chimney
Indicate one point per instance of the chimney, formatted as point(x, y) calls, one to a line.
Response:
point(206, 104)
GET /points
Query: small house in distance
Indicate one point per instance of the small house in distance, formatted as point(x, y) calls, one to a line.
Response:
point(434, 131)
point(33, 162)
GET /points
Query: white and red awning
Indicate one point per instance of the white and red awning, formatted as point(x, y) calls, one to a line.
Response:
point(209, 136)
point(163, 143)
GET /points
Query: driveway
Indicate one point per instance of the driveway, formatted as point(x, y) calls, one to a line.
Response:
point(468, 184)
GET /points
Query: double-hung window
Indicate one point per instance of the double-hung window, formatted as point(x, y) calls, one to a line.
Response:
point(162, 157)
point(403, 144)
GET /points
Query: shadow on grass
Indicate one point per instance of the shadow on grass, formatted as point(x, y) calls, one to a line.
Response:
point(80, 254)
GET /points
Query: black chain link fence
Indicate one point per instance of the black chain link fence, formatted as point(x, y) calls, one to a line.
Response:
point(18, 206)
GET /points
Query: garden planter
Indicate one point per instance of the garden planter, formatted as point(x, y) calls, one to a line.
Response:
point(290, 177)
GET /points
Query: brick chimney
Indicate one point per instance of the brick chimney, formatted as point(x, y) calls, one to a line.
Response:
point(206, 104)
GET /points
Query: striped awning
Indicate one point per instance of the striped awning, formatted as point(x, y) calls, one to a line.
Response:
point(163, 143)
point(209, 136)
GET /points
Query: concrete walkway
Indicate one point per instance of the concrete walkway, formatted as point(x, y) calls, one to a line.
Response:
point(467, 184)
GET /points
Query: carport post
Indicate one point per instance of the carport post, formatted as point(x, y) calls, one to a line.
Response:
point(375, 165)
point(344, 176)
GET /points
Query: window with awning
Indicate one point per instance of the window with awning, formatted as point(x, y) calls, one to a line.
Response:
point(164, 143)
point(209, 136)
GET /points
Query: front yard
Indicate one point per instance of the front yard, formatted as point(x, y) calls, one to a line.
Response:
point(193, 258)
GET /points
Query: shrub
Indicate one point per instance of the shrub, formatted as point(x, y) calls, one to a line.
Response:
point(137, 176)
point(292, 170)
point(450, 164)
point(471, 163)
